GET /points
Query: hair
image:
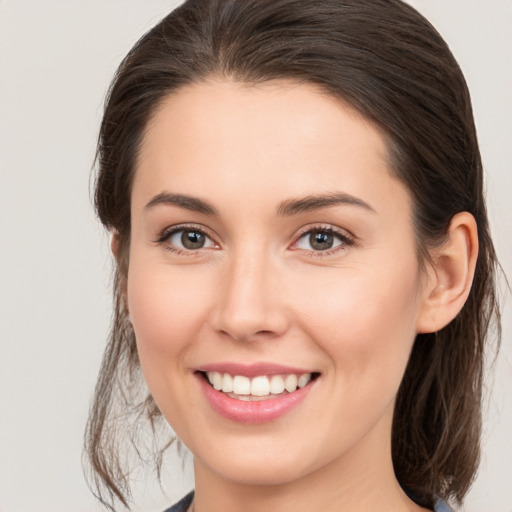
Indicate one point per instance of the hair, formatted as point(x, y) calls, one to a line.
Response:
point(385, 60)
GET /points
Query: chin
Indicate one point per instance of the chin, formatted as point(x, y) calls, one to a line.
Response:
point(259, 474)
point(259, 466)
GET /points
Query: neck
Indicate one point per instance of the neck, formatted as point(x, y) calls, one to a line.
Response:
point(362, 479)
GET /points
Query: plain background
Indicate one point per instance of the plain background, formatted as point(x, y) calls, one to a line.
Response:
point(56, 60)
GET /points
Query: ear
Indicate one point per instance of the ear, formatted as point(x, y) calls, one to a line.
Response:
point(450, 274)
point(114, 243)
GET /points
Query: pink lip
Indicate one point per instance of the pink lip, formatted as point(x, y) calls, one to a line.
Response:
point(252, 370)
point(252, 412)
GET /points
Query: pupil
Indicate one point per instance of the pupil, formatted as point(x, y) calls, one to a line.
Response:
point(192, 240)
point(321, 241)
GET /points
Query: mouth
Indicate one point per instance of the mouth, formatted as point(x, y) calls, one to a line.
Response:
point(258, 387)
point(256, 393)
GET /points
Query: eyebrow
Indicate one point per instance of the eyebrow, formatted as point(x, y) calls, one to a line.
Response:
point(286, 208)
point(193, 204)
point(317, 202)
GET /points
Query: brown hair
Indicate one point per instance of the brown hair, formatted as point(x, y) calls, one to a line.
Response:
point(389, 63)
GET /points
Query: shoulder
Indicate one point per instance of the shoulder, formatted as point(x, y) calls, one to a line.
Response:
point(439, 506)
point(442, 506)
point(184, 503)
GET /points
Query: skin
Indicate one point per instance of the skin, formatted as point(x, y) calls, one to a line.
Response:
point(258, 291)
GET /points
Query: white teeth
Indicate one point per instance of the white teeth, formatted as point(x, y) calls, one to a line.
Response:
point(290, 383)
point(227, 383)
point(244, 388)
point(241, 385)
point(276, 384)
point(303, 380)
point(216, 380)
point(260, 386)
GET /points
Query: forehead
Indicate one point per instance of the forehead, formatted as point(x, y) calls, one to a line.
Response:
point(281, 111)
point(232, 140)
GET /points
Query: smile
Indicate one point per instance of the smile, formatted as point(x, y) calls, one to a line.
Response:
point(254, 394)
point(260, 387)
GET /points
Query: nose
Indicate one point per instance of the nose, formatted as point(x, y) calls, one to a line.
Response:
point(249, 302)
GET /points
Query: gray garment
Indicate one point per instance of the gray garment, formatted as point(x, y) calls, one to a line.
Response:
point(183, 504)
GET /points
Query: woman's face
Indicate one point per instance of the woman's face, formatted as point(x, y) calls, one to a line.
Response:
point(269, 239)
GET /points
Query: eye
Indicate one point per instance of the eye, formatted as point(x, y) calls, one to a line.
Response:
point(181, 239)
point(322, 240)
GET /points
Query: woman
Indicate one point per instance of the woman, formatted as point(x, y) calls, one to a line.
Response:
point(305, 275)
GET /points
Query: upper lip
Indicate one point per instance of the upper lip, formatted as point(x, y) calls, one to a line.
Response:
point(252, 370)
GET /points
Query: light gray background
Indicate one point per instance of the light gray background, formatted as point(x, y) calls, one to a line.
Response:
point(56, 60)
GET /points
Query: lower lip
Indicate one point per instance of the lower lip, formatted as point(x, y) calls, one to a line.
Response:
point(253, 412)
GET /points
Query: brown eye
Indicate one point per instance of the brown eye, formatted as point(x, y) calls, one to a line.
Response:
point(320, 240)
point(192, 239)
point(187, 239)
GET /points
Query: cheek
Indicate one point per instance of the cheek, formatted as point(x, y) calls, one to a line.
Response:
point(365, 321)
point(167, 309)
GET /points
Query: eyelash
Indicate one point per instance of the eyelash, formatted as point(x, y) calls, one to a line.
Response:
point(169, 232)
point(346, 239)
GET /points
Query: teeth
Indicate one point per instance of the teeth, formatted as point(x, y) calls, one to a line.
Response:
point(276, 384)
point(241, 385)
point(303, 380)
point(216, 380)
point(290, 383)
point(227, 383)
point(261, 386)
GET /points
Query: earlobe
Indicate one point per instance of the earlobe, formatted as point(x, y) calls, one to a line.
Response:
point(114, 243)
point(450, 275)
